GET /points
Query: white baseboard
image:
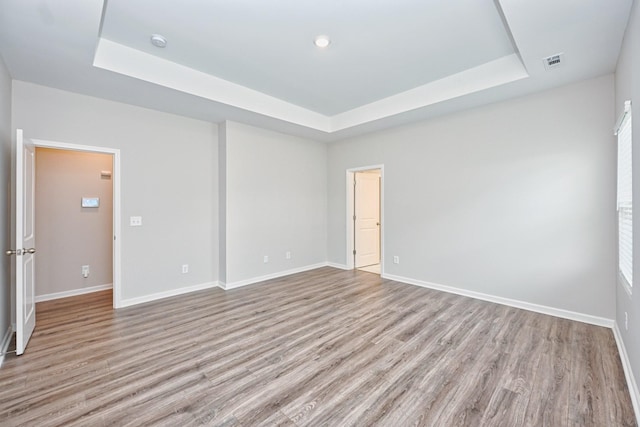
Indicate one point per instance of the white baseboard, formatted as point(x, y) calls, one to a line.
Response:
point(246, 282)
point(166, 294)
point(4, 345)
point(73, 292)
point(557, 312)
point(340, 266)
point(632, 385)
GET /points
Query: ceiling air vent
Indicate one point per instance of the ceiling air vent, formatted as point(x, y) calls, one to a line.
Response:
point(553, 61)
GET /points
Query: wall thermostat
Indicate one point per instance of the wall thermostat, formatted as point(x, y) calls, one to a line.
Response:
point(90, 202)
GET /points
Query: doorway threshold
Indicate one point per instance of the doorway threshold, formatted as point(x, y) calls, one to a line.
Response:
point(375, 268)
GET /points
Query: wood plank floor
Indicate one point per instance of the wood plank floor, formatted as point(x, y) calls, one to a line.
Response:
point(321, 348)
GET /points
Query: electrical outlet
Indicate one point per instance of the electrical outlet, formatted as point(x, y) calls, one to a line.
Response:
point(135, 221)
point(626, 321)
point(396, 259)
point(287, 255)
point(185, 268)
point(266, 259)
point(85, 271)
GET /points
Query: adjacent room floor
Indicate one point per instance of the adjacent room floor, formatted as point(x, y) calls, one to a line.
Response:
point(375, 268)
point(325, 347)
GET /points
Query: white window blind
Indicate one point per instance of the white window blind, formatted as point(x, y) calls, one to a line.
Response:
point(625, 199)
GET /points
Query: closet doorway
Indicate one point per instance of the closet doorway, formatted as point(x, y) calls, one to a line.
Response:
point(365, 219)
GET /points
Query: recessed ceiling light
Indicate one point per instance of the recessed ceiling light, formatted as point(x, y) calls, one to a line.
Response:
point(158, 41)
point(322, 41)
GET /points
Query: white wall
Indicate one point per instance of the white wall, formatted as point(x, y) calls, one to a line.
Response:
point(5, 171)
point(275, 202)
point(628, 88)
point(169, 177)
point(512, 200)
point(68, 235)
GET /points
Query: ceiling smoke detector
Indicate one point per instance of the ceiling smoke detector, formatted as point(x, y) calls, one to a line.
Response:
point(158, 41)
point(553, 61)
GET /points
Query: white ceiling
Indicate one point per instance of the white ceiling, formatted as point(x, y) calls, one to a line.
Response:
point(389, 63)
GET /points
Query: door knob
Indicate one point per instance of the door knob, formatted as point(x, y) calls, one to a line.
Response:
point(13, 252)
point(29, 251)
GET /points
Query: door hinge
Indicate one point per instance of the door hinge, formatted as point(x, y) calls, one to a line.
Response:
point(354, 251)
point(354, 217)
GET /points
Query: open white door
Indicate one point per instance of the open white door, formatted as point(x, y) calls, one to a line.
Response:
point(25, 242)
point(367, 218)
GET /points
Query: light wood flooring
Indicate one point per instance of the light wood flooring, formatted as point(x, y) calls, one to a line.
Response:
point(321, 348)
point(375, 268)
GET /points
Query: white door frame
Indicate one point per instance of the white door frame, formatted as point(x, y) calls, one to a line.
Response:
point(117, 291)
point(350, 259)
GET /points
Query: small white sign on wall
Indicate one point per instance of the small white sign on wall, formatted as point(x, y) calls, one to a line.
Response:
point(90, 202)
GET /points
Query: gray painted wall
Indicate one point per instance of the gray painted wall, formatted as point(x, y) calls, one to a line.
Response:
point(169, 178)
point(68, 235)
point(5, 217)
point(275, 200)
point(513, 199)
point(222, 202)
point(628, 88)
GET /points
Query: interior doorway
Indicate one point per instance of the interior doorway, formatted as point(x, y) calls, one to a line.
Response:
point(87, 206)
point(24, 240)
point(73, 223)
point(364, 219)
